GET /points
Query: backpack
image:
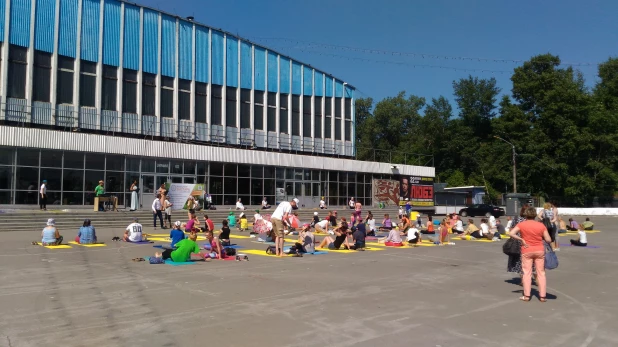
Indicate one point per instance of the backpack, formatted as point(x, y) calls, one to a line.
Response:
point(155, 260)
point(229, 251)
point(271, 250)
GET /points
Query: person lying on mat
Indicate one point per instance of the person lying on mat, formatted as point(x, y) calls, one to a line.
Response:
point(224, 235)
point(588, 225)
point(387, 224)
point(183, 251)
point(133, 233)
point(582, 240)
point(393, 238)
point(341, 237)
point(176, 235)
point(50, 235)
point(472, 230)
point(86, 234)
point(216, 250)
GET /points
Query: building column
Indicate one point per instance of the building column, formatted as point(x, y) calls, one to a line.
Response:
point(30, 59)
point(53, 79)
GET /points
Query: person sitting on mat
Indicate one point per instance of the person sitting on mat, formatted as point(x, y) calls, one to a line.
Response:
point(472, 230)
point(500, 227)
point(387, 224)
point(306, 241)
point(443, 237)
point(371, 224)
point(316, 218)
point(341, 237)
point(192, 223)
point(414, 236)
point(176, 235)
point(208, 224)
point(224, 235)
point(50, 235)
point(133, 233)
point(231, 218)
point(588, 225)
point(359, 232)
point(183, 251)
point(216, 249)
point(573, 225)
point(243, 225)
point(430, 227)
point(457, 227)
point(405, 225)
point(86, 234)
point(582, 240)
point(393, 239)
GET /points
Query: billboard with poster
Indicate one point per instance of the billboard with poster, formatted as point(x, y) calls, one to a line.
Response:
point(418, 190)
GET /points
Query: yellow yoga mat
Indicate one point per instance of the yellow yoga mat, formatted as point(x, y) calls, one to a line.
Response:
point(58, 247)
point(423, 244)
point(232, 236)
point(257, 252)
point(88, 245)
point(348, 251)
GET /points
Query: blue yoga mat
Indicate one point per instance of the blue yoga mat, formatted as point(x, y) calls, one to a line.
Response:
point(173, 263)
point(316, 253)
point(164, 246)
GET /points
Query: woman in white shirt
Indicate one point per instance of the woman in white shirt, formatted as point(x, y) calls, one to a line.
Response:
point(239, 205)
point(484, 228)
point(371, 224)
point(265, 204)
point(322, 204)
point(352, 203)
point(133, 189)
point(582, 241)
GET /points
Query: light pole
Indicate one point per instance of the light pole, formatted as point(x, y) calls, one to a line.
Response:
point(514, 163)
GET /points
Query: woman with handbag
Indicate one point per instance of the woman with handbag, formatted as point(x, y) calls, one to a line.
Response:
point(548, 216)
point(531, 235)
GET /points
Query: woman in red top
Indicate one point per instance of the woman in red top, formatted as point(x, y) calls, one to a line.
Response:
point(531, 235)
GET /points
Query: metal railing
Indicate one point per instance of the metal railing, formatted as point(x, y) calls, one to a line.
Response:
point(17, 112)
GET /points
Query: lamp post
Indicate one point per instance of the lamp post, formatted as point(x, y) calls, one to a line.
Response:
point(514, 163)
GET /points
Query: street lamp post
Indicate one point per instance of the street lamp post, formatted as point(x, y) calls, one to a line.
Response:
point(514, 163)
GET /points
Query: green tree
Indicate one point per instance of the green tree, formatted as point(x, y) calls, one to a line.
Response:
point(476, 99)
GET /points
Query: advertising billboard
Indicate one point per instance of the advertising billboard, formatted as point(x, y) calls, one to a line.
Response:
point(418, 190)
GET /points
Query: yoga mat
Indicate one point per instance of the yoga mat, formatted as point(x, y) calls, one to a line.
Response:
point(316, 253)
point(160, 239)
point(173, 263)
point(239, 237)
point(350, 251)
point(259, 252)
point(57, 247)
point(164, 246)
point(88, 245)
point(569, 245)
point(141, 242)
point(233, 246)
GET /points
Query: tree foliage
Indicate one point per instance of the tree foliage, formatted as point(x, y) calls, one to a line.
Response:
point(565, 135)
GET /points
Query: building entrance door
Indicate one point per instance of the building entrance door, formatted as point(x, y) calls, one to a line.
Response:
point(149, 184)
point(307, 192)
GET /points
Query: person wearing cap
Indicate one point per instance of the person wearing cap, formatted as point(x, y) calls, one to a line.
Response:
point(316, 219)
point(43, 196)
point(86, 234)
point(231, 219)
point(243, 225)
point(322, 204)
point(133, 232)
point(51, 235)
point(265, 204)
point(239, 205)
point(176, 234)
point(280, 220)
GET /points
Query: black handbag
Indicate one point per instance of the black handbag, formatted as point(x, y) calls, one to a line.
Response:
point(547, 224)
point(512, 247)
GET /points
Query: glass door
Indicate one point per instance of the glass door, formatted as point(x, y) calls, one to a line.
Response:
point(149, 185)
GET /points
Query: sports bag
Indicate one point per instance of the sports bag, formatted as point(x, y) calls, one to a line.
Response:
point(229, 251)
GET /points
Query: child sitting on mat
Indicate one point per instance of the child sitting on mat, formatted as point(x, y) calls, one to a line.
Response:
point(243, 225)
point(224, 235)
point(216, 250)
point(183, 251)
point(176, 235)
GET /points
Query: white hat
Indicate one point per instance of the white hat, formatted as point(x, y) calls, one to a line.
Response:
point(315, 213)
point(51, 222)
point(296, 201)
point(242, 214)
point(407, 199)
point(178, 223)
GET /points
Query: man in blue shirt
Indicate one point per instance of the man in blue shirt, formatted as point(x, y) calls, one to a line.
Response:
point(176, 234)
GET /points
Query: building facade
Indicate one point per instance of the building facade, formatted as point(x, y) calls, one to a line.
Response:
point(82, 81)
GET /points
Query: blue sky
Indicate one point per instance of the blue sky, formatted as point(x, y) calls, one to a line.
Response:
point(578, 31)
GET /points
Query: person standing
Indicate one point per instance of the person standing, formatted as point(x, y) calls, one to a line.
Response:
point(43, 196)
point(357, 212)
point(548, 217)
point(531, 235)
point(280, 220)
point(156, 211)
point(134, 202)
point(351, 203)
point(100, 191)
point(167, 207)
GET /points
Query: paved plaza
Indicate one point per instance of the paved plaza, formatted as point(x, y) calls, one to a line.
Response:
point(458, 295)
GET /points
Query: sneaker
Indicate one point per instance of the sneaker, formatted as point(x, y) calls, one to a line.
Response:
point(331, 232)
point(495, 239)
point(472, 238)
point(260, 239)
point(252, 236)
